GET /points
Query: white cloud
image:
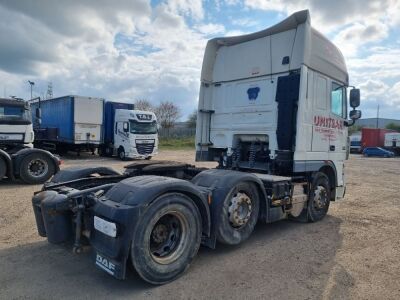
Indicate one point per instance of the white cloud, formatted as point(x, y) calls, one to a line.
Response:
point(350, 39)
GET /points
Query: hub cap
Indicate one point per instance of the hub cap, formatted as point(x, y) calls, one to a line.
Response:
point(320, 198)
point(239, 210)
point(37, 167)
point(168, 238)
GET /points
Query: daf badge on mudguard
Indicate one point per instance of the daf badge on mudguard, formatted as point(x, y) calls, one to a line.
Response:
point(105, 264)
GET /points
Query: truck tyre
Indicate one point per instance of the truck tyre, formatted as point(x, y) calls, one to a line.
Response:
point(3, 168)
point(36, 168)
point(121, 153)
point(167, 238)
point(319, 197)
point(239, 214)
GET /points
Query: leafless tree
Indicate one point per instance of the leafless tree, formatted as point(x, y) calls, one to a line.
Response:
point(143, 104)
point(192, 119)
point(167, 114)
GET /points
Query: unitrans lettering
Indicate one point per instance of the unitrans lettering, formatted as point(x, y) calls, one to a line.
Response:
point(328, 122)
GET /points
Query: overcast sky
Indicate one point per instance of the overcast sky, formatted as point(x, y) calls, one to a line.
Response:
point(125, 50)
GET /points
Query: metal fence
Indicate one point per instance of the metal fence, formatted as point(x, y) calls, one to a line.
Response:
point(177, 132)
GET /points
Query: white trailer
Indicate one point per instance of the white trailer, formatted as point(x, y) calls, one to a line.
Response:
point(392, 142)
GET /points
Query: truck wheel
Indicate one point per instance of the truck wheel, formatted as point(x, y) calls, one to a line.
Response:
point(121, 153)
point(36, 168)
point(167, 239)
point(3, 168)
point(319, 198)
point(239, 214)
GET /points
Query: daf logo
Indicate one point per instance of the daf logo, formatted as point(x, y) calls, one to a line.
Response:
point(105, 263)
point(143, 117)
point(253, 93)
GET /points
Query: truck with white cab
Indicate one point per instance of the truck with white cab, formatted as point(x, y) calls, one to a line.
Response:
point(128, 133)
point(273, 114)
point(18, 158)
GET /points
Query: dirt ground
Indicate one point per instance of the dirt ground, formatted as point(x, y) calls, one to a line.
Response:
point(354, 253)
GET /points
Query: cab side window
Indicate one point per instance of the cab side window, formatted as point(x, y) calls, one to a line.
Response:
point(338, 100)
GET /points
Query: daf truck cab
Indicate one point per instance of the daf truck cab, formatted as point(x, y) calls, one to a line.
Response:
point(18, 159)
point(129, 133)
point(272, 112)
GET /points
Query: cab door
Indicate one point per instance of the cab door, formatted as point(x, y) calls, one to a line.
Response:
point(338, 131)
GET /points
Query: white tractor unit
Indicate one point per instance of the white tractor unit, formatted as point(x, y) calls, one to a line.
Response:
point(18, 158)
point(272, 112)
point(135, 134)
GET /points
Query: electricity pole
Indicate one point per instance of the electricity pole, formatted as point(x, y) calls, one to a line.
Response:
point(377, 117)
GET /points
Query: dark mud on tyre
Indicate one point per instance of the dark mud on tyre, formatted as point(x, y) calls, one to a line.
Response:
point(121, 153)
point(168, 239)
point(36, 168)
point(319, 198)
point(3, 167)
point(239, 214)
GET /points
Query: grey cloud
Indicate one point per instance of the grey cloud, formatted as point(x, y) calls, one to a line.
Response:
point(67, 17)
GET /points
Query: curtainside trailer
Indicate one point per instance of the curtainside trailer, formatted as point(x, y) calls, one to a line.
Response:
point(69, 123)
point(272, 112)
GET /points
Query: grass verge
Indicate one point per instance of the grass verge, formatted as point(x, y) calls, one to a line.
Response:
point(186, 143)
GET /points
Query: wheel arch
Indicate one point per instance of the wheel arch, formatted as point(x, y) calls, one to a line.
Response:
point(220, 182)
point(8, 160)
point(330, 171)
point(21, 154)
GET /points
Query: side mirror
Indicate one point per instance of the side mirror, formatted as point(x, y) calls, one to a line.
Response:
point(355, 114)
point(38, 113)
point(355, 98)
point(125, 127)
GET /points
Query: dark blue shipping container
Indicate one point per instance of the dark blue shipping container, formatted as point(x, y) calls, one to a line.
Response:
point(76, 119)
point(58, 113)
point(109, 119)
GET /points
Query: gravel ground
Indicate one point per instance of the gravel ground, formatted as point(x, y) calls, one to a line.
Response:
point(353, 253)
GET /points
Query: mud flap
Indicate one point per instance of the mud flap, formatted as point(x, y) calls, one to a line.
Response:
point(110, 266)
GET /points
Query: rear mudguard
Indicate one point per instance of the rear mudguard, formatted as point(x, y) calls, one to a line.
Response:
point(73, 173)
point(8, 160)
point(220, 183)
point(124, 203)
point(21, 154)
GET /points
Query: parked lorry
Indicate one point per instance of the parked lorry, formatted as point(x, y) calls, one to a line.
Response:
point(128, 133)
point(392, 142)
point(76, 123)
point(272, 112)
point(18, 158)
point(355, 143)
point(373, 137)
point(69, 123)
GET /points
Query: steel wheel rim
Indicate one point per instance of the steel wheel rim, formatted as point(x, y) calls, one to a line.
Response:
point(168, 237)
point(37, 167)
point(239, 210)
point(320, 200)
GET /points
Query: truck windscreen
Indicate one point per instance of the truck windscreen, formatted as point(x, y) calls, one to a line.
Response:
point(14, 114)
point(142, 127)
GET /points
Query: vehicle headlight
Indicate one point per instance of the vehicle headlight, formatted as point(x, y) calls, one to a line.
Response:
point(108, 228)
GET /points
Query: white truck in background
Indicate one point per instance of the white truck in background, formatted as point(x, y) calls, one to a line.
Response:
point(128, 133)
point(78, 123)
point(18, 158)
point(272, 112)
point(392, 142)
